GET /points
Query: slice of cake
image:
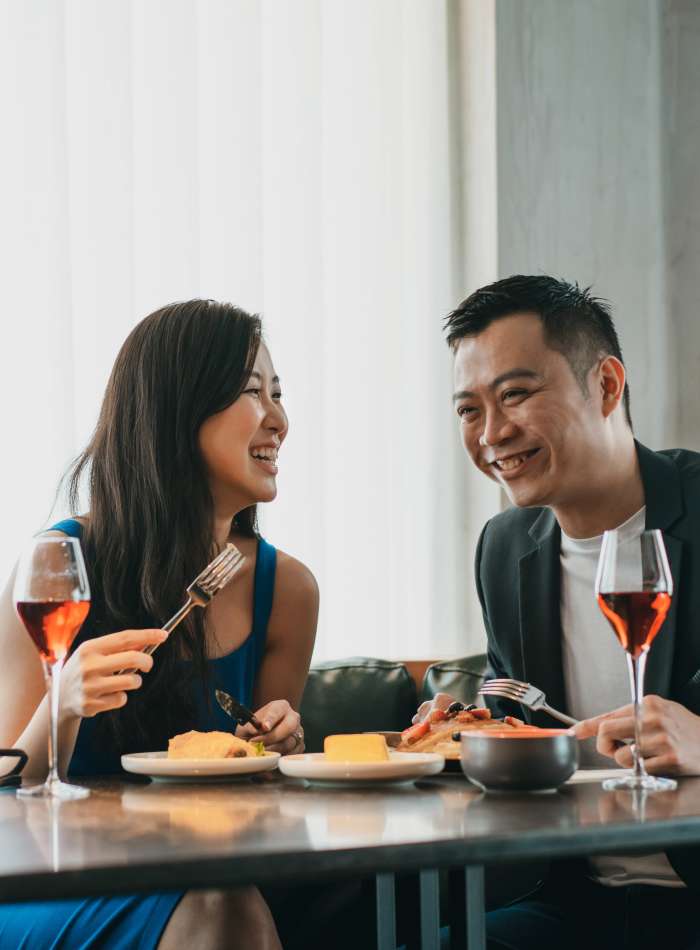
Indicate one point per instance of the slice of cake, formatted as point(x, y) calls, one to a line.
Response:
point(356, 748)
point(209, 745)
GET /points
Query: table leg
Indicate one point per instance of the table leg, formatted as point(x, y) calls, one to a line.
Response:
point(386, 912)
point(430, 910)
point(474, 899)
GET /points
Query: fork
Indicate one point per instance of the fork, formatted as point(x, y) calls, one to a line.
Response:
point(526, 695)
point(204, 587)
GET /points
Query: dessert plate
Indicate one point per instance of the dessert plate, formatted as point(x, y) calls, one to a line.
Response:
point(157, 765)
point(400, 767)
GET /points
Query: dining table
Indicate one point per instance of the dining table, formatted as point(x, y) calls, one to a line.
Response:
point(132, 835)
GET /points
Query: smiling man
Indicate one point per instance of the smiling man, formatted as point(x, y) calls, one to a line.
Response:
point(543, 408)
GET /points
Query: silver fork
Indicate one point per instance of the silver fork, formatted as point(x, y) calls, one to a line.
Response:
point(526, 695)
point(204, 587)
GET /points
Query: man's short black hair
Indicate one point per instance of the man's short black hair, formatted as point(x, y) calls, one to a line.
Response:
point(576, 324)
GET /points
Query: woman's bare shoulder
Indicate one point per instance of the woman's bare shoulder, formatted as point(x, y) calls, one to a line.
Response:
point(294, 579)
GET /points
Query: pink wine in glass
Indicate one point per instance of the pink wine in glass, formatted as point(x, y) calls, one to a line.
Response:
point(635, 616)
point(53, 624)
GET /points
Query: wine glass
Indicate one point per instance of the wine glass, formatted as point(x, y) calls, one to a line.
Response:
point(52, 596)
point(634, 588)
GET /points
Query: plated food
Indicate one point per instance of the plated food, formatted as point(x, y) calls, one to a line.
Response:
point(365, 747)
point(361, 758)
point(436, 732)
point(212, 745)
point(202, 756)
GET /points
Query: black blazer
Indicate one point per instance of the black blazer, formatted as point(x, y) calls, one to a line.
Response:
point(518, 581)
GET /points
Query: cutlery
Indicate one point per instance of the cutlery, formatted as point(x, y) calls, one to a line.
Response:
point(526, 695)
point(237, 710)
point(206, 585)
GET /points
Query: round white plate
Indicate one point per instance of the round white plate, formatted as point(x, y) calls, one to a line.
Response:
point(400, 767)
point(158, 765)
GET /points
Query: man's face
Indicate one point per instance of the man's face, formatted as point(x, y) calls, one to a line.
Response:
point(524, 419)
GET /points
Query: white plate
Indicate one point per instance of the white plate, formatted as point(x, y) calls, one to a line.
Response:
point(158, 765)
point(400, 767)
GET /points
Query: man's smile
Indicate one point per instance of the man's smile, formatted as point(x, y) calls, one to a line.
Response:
point(513, 464)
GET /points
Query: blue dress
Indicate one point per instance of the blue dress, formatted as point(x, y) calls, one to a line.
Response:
point(138, 920)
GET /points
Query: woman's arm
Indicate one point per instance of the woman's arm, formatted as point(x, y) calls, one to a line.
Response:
point(291, 633)
point(24, 717)
point(88, 685)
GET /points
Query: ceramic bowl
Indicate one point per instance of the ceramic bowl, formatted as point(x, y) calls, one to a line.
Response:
point(532, 761)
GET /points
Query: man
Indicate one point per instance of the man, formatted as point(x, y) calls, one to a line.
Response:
point(543, 407)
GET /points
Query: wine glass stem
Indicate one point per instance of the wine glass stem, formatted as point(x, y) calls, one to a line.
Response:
point(52, 673)
point(636, 671)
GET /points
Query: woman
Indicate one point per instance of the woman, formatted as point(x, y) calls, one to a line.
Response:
point(185, 447)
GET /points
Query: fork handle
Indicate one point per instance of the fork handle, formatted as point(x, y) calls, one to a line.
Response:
point(562, 717)
point(168, 627)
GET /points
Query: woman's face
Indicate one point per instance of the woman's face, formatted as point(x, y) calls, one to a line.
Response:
point(239, 445)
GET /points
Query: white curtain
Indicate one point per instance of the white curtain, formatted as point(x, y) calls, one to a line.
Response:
point(295, 157)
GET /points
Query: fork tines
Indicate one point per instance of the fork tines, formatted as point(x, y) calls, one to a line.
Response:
point(505, 681)
point(510, 691)
point(219, 572)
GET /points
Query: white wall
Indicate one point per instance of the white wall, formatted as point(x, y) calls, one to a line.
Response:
point(681, 136)
point(582, 119)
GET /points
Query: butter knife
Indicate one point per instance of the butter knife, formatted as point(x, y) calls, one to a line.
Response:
point(237, 710)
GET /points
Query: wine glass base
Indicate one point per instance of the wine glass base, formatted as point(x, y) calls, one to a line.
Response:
point(54, 789)
point(647, 783)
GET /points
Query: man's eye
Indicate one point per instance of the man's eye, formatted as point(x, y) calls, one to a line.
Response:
point(464, 411)
point(515, 393)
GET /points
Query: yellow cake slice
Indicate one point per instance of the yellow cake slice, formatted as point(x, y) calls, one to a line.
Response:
point(209, 745)
point(356, 748)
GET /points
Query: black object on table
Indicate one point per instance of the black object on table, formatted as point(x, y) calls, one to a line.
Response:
point(13, 778)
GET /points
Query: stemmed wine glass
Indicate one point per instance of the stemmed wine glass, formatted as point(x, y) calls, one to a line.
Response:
point(634, 588)
point(52, 596)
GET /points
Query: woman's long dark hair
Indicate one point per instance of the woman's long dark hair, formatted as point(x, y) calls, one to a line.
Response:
point(150, 525)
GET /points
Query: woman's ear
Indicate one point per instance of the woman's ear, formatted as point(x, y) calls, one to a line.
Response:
point(611, 375)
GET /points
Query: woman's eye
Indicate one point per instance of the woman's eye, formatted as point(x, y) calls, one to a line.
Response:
point(277, 396)
point(251, 392)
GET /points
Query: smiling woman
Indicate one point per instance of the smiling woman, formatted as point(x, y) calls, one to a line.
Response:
point(184, 449)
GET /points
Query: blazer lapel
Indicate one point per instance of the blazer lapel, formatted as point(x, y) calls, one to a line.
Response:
point(664, 503)
point(657, 678)
point(540, 617)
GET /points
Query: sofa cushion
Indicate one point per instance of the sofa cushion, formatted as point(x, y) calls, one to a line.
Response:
point(357, 694)
point(460, 678)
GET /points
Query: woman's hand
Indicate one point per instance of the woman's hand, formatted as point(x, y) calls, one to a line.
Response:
point(283, 732)
point(91, 682)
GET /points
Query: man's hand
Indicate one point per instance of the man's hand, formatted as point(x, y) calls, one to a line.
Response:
point(670, 740)
point(439, 701)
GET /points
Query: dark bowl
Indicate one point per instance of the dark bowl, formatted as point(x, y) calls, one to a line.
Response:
point(528, 763)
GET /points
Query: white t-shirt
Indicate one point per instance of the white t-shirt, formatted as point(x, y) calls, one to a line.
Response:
point(596, 680)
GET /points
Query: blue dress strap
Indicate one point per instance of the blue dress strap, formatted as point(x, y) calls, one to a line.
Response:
point(265, 569)
point(70, 526)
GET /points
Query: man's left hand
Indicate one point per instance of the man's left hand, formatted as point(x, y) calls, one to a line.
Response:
point(670, 740)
